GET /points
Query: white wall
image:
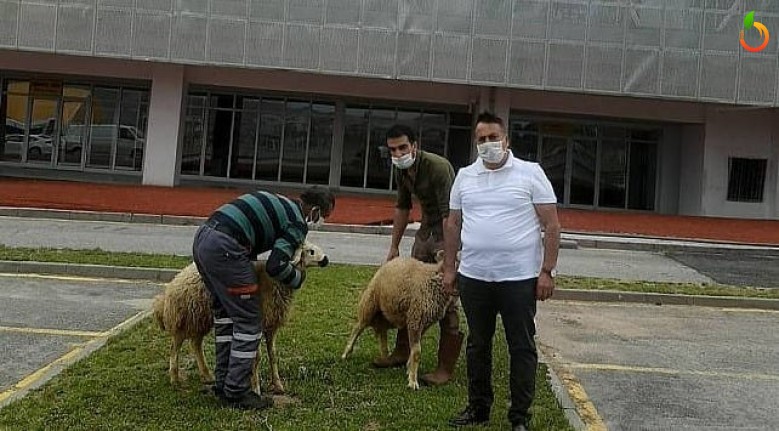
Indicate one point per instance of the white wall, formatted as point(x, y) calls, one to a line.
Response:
point(161, 156)
point(739, 132)
point(691, 150)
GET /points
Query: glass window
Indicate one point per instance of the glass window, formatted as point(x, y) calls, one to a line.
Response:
point(613, 174)
point(462, 119)
point(355, 143)
point(585, 154)
point(194, 128)
point(269, 143)
point(554, 152)
point(220, 125)
point(643, 168)
point(379, 159)
point(133, 118)
point(296, 125)
point(222, 101)
point(524, 145)
point(13, 114)
point(244, 137)
point(42, 129)
point(434, 132)
point(320, 144)
point(102, 132)
point(19, 87)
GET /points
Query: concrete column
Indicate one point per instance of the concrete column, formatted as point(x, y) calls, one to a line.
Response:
point(502, 104)
point(162, 158)
point(496, 101)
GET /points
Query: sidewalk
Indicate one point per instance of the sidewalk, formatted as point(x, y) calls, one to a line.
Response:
point(140, 202)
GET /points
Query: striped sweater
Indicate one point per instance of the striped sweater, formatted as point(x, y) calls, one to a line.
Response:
point(268, 222)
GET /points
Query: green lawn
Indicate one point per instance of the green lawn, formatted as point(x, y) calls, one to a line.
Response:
point(99, 257)
point(124, 385)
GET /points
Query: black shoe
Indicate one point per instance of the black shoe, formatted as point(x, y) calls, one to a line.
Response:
point(470, 416)
point(214, 390)
point(249, 401)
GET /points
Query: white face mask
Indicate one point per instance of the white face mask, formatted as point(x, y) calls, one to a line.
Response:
point(491, 152)
point(314, 224)
point(403, 162)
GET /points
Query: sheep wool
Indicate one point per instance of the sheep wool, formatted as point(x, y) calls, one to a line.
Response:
point(184, 311)
point(404, 292)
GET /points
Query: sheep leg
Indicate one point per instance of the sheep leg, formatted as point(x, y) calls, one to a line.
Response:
point(173, 365)
point(414, 340)
point(358, 328)
point(197, 349)
point(383, 347)
point(276, 386)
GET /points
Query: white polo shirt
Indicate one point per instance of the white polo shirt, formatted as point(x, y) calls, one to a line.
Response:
point(501, 232)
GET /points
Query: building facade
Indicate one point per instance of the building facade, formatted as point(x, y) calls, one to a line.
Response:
point(649, 105)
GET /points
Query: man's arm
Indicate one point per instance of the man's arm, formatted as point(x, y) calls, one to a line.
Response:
point(279, 265)
point(547, 214)
point(399, 223)
point(452, 230)
point(400, 218)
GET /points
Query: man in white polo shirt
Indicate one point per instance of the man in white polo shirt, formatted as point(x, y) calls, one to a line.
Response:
point(499, 206)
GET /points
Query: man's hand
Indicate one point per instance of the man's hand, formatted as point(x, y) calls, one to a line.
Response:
point(393, 253)
point(450, 283)
point(544, 286)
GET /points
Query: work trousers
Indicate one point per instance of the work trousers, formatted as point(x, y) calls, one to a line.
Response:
point(229, 276)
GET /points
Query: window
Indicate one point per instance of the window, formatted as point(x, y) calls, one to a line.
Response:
point(746, 179)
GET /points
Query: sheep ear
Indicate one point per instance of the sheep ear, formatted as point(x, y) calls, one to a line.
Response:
point(298, 254)
point(439, 256)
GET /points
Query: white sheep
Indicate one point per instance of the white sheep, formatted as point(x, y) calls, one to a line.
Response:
point(184, 311)
point(404, 292)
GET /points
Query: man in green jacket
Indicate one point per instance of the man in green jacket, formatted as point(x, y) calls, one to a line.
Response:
point(429, 177)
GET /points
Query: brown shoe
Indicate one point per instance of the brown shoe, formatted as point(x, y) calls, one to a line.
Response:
point(448, 352)
point(399, 356)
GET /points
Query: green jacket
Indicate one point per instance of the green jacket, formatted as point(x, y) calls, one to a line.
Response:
point(430, 180)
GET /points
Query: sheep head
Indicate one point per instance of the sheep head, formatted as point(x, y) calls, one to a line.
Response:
point(309, 254)
point(439, 259)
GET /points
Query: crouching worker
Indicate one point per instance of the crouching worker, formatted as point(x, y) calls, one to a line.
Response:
point(429, 177)
point(223, 250)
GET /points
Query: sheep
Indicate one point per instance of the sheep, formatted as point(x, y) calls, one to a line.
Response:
point(184, 312)
point(404, 292)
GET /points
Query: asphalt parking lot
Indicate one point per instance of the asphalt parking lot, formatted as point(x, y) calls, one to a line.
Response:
point(737, 268)
point(48, 321)
point(646, 367)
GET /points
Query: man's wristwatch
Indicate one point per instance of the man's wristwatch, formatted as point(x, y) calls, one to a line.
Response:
point(552, 272)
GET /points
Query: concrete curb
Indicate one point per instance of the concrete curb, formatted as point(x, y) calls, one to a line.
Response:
point(160, 275)
point(665, 299)
point(561, 393)
point(164, 275)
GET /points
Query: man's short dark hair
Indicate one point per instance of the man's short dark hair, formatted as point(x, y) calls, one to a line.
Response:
point(320, 197)
point(490, 118)
point(401, 130)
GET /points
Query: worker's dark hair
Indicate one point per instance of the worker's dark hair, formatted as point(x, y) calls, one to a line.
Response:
point(320, 197)
point(400, 130)
point(490, 118)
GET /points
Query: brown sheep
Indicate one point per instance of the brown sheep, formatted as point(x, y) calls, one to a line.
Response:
point(184, 311)
point(404, 292)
